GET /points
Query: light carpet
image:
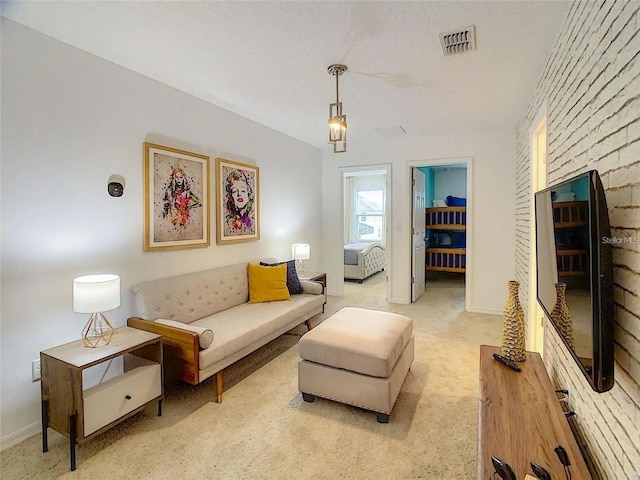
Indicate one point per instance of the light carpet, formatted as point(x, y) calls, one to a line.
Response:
point(264, 430)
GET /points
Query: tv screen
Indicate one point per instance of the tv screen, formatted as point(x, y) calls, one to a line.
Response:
point(573, 246)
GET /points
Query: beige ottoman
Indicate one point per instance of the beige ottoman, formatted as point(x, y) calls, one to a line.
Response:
point(359, 357)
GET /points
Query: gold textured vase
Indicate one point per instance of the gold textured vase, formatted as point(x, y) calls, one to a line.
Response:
point(513, 326)
point(560, 314)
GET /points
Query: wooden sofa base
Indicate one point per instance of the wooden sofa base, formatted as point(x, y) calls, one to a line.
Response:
point(181, 350)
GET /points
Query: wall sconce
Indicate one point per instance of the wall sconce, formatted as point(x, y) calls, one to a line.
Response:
point(337, 121)
point(95, 294)
point(300, 252)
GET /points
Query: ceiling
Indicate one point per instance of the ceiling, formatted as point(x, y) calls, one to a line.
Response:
point(268, 60)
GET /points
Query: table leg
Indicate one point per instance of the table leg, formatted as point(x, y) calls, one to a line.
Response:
point(45, 425)
point(73, 434)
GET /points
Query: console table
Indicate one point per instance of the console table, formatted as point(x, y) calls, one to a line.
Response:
point(82, 413)
point(521, 420)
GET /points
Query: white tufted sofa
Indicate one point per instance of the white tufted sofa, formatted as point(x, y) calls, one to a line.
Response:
point(216, 299)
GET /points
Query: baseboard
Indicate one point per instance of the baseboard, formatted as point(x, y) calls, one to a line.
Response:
point(20, 435)
point(488, 311)
point(402, 301)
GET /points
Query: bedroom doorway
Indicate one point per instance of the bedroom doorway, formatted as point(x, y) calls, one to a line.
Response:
point(366, 220)
point(447, 230)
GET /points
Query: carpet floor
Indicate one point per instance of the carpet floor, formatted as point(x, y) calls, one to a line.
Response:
point(264, 430)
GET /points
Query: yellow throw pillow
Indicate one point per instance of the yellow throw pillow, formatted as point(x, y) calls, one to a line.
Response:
point(268, 284)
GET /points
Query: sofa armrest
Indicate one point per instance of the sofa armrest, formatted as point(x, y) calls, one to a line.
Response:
point(183, 345)
point(315, 288)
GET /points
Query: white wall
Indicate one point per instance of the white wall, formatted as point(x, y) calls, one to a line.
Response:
point(591, 91)
point(452, 181)
point(493, 210)
point(69, 121)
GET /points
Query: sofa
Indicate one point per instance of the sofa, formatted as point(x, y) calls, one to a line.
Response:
point(193, 309)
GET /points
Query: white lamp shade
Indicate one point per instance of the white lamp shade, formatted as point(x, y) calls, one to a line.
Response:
point(96, 293)
point(301, 251)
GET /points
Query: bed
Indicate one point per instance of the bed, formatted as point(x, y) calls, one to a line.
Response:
point(361, 260)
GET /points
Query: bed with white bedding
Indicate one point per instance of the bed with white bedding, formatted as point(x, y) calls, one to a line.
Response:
point(361, 260)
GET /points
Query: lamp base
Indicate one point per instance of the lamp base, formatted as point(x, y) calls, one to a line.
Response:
point(299, 266)
point(97, 332)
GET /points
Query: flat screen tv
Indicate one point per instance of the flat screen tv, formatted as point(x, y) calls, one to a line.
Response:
point(573, 246)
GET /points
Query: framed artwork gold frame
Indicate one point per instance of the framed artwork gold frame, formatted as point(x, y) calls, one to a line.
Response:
point(176, 198)
point(237, 202)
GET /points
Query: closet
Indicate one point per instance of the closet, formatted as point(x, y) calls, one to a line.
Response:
point(446, 218)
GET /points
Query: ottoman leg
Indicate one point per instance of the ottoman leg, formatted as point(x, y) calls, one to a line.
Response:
point(382, 417)
point(307, 397)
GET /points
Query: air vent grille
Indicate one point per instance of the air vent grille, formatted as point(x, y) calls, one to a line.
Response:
point(458, 41)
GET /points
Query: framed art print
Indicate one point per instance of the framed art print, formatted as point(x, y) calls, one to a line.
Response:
point(237, 202)
point(176, 198)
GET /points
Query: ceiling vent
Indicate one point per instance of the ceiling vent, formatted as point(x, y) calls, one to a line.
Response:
point(458, 41)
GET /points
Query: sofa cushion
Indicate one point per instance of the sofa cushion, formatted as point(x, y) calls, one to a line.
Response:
point(293, 282)
point(267, 284)
point(360, 340)
point(191, 296)
point(205, 335)
point(241, 326)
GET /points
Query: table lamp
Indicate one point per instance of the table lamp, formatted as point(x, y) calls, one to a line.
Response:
point(95, 294)
point(300, 252)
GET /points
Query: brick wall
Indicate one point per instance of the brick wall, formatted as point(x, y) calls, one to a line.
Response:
point(590, 89)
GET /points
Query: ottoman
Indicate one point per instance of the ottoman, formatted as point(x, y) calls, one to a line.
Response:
point(359, 357)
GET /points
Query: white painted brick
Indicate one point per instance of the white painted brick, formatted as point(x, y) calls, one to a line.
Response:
point(627, 341)
point(634, 369)
point(628, 321)
point(635, 196)
point(630, 153)
point(618, 197)
point(590, 89)
point(625, 217)
point(627, 405)
point(626, 279)
point(624, 176)
point(628, 258)
point(605, 164)
point(631, 301)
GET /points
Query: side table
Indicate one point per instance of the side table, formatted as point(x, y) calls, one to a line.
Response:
point(319, 277)
point(82, 413)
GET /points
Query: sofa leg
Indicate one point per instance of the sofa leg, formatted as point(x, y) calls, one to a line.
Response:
point(307, 397)
point(219, 387)
point(309, 324)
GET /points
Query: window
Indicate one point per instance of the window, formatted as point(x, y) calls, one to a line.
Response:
point(370, 213)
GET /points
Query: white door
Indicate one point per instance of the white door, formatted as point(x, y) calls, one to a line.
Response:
point(418, 234)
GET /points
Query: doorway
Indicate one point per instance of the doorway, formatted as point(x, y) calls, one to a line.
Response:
point(447, 219)
point(366, 221)
point(535, 329)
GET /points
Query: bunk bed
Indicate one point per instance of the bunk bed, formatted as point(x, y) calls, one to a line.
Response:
point(571, 224)
point(446, 247)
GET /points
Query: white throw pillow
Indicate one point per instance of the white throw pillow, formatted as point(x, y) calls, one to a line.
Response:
point(205, 335)
point(439, 203)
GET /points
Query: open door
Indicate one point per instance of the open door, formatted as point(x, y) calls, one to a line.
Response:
point(418, 232)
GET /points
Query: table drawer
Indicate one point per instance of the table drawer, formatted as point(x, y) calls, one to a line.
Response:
point(120, 395)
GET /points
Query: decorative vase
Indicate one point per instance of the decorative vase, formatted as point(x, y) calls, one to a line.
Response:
point(560, 314)
point(513, 326)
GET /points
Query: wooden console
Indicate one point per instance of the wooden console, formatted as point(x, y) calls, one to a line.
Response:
point(521, 420)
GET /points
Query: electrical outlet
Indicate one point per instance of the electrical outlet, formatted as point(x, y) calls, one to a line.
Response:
point(35, 370)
